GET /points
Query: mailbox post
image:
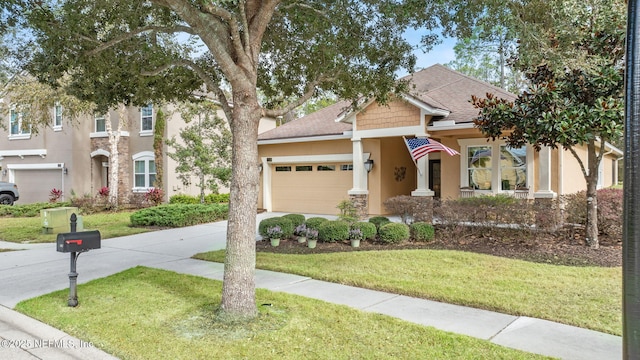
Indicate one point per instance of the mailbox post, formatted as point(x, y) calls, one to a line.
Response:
point(76, 243)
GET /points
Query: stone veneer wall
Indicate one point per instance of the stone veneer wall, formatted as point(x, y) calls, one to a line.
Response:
point(361, 202)
point(125, 172)
point(424, 209)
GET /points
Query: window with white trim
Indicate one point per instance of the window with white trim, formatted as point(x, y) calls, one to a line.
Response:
point(17, 126)
point(146, 120)
point(100, 122)
point(494, 168)
point(57, 116)
point(144, 171)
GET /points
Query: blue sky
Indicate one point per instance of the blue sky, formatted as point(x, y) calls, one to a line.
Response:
point(440, 54)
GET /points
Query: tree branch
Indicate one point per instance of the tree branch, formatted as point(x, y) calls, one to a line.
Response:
point(310, 90)
point(575, 155)
point(234, 31)
point(129, 35)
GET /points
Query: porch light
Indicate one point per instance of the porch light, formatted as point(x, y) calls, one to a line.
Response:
point(65, 171)
point(368, 165)
point(259, 167)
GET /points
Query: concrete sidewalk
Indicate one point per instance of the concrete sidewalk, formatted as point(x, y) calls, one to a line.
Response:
point(40, 270)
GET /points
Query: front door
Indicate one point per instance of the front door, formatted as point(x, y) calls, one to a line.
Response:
point(434, 177)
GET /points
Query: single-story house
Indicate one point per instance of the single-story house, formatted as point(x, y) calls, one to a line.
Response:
point(311, 164)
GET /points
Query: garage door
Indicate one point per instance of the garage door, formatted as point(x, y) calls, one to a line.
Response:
point(35, 185)
point(310, 188)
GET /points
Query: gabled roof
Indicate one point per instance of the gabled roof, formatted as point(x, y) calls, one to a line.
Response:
point(437, 86)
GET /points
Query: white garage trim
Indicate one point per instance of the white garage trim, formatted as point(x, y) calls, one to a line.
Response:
point(46, 166)
point(267, 197)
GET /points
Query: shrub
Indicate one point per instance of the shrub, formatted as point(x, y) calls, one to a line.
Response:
point(378, 221)
point(103, 192)
point(421, 231)
point(216, 198)
point(179, 215)
point(410, 208)
point(183, 199)
point(348, 211)
point(296, 219)
point(392, 233)
point(154, 196)
point(300, 230)
point(368, 229)
point(285, 225)
point(28, 210)
point(489, 200)
point(334, 230)
point(55, 195)
point(609, 210)
point(315, 222)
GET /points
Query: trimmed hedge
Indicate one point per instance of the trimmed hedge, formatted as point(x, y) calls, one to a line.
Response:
point(216, 198)
point(421, 231)
point(285, 224)
point(315, 222)
point(30, 210)
point(392, 233)
point(368, 229)
point(296, 219)
point(179, 215)
point(378, 221)
point(183, 199)
point(334, 230)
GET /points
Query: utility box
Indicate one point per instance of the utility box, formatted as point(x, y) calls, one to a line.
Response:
point(78, 241)
point(56, 220)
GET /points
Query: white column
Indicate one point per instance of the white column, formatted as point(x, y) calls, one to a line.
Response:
point(422, 173)
point(267, 203)
point(360, 178)
point(544, 175)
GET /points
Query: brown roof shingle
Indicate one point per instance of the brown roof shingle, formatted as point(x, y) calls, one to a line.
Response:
point(437, 86)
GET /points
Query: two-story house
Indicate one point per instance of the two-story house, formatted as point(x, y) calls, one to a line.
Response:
point(74, 157)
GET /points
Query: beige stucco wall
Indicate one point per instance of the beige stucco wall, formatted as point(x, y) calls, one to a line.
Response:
point(450, 171)
point(395, 162)
point(397, 114)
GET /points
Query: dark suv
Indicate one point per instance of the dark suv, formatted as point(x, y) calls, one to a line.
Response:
point(8, 193)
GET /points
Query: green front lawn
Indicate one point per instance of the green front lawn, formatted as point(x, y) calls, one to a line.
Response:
point(145, 313)
point(29, 229)
point(588, 297)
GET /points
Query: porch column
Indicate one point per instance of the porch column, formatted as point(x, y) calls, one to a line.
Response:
point(359, 194)
point(544, 176)
point(547, 210)
point(423, 178)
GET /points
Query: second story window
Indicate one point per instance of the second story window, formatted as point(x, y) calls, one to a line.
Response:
point(146, 119)
point(57, 116)
point(17, 127)
point(100, 123)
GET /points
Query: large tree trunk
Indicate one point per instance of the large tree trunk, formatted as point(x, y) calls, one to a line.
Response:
point(238, 290)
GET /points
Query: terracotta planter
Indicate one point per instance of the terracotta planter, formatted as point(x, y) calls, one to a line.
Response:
point(311, 243)
point(355, 243)
point(275, 242)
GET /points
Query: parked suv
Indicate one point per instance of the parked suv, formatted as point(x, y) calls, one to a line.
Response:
point(8, 193)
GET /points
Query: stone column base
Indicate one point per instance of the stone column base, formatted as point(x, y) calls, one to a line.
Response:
point(423, 209)
point(547, 213)
point(361, 203)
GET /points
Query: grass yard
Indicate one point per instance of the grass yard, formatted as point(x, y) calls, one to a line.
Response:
point(29, 229)
point(145, 313)
point(588, 297)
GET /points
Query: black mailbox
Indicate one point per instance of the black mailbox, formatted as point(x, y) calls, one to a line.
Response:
point(78, 241)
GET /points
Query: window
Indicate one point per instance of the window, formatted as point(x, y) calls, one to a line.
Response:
point(283, 168)
point(144, 170)
point(57, 116)
point(346, 167)
point(100, 123)
point(495, 167)
point(17, 126)
point(479, 167)
point(326, 167)
point(513, 167)
point(146, 119)
point(304, 168)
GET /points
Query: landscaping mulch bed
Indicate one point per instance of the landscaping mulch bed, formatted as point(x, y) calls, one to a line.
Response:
point(563, 247)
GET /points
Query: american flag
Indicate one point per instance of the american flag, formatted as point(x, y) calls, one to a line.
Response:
point(419, 147)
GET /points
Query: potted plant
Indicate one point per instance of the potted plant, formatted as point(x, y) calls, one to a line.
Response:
point(355, 235)
point(312, 237)
point(274, 234)
point(301, 232)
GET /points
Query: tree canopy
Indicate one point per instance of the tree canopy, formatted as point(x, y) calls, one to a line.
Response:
point(122, 51)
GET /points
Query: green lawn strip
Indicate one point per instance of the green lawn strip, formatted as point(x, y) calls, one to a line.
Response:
point(588, 297)
point(5, 250)
point(29, 229)
point(145, 313)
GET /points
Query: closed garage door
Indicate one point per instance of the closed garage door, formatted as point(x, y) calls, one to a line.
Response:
point(310, 188)
point(35, 185)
